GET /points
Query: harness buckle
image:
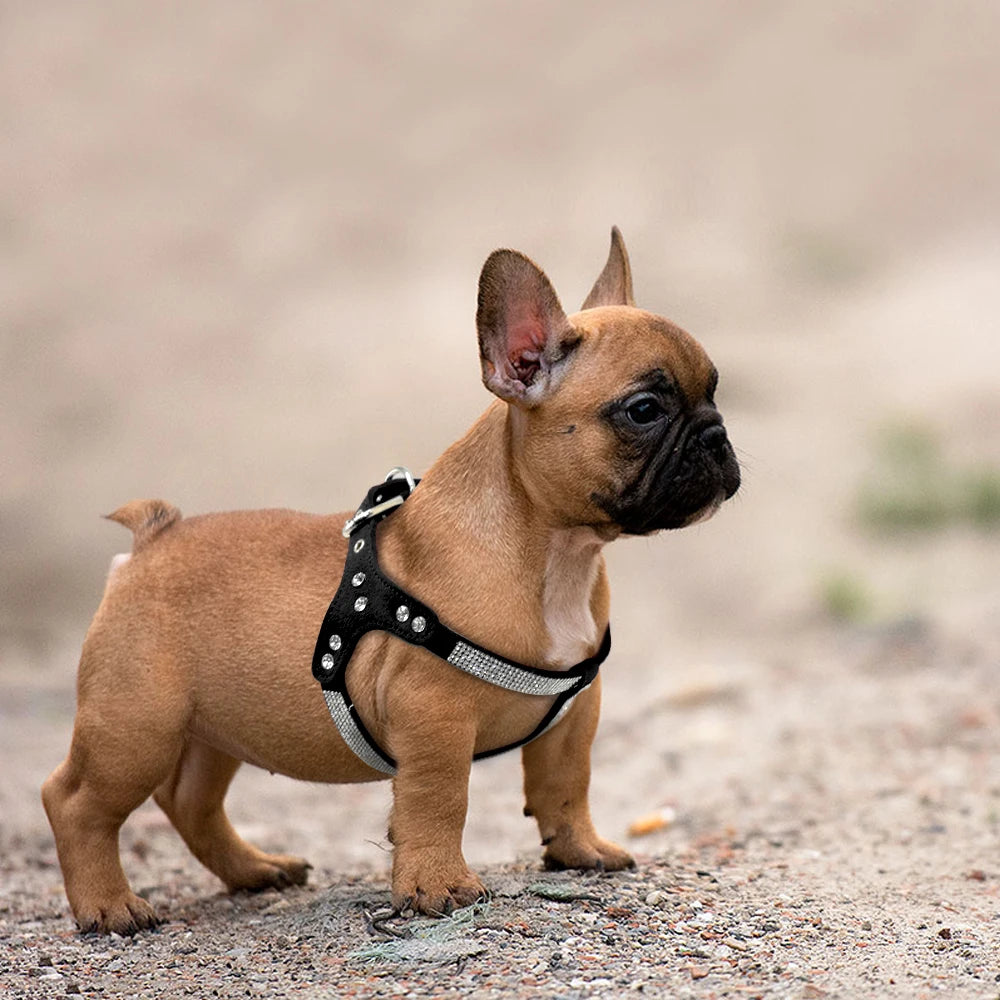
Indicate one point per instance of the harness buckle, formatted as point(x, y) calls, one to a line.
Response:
point(380, 509)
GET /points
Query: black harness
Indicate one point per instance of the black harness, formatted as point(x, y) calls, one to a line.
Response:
point(368, 600)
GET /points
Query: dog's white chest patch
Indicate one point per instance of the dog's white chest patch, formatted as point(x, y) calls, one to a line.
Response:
point(570, 574)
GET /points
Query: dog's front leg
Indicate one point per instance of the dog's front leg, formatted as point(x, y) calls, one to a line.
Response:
point(556, 787)
point(430, 799)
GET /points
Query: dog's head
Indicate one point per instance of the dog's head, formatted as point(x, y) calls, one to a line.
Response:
point(613, 416)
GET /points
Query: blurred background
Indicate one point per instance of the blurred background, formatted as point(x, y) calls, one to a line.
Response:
point(239, 247)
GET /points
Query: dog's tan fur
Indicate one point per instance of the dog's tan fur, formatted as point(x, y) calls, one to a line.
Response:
point(198, 657)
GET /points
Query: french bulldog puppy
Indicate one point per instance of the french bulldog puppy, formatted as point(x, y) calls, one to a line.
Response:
point(199, 655)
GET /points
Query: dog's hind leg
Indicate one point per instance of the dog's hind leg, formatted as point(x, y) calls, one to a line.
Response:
point(111, 769)
point(193, 799)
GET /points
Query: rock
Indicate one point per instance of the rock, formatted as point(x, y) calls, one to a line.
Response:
point(276, 907)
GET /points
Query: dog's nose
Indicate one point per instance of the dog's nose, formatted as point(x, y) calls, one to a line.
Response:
point(714, 437)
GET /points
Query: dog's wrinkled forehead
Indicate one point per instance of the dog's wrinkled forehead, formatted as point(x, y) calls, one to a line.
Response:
point(630, 343)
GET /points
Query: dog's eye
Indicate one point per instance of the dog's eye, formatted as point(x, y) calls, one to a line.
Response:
point(644, 410)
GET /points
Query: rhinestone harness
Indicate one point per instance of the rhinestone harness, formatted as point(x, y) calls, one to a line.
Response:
point(367, 600)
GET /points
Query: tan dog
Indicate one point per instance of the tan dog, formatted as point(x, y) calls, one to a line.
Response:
point(199, 655)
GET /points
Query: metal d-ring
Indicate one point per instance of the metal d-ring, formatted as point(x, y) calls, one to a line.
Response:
point(402, 472)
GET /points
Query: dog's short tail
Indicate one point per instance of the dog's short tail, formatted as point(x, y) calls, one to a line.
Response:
point(145, 519)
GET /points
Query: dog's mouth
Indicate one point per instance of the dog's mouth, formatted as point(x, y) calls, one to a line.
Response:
point(707, 514)
point(683, 483)
point(669, 521)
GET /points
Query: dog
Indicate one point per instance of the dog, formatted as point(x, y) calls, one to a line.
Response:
point(198, 657)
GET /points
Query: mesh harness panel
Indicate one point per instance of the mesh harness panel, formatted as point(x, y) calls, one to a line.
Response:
point(367, 600)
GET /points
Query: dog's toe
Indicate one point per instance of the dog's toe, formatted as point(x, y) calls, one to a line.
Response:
point(445, 903)
point(590, 854)
point(126, 916)
point(270, 871)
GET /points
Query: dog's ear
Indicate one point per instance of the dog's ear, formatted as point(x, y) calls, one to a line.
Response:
point(523, 332)
point(614, 286)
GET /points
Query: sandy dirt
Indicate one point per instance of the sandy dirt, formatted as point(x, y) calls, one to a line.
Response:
point(238, 255)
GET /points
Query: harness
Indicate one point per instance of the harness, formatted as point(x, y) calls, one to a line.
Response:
point(368, 600)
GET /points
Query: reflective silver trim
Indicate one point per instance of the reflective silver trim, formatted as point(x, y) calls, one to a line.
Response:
point(503, 674)
point(560, 715)
point(350, 733)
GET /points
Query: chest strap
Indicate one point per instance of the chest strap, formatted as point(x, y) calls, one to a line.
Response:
point(367, 600)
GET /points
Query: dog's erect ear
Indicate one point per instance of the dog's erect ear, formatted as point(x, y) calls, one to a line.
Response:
point(614, 286)
point(523, 331)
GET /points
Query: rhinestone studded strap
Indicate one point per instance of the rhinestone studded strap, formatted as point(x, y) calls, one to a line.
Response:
point(367, 600)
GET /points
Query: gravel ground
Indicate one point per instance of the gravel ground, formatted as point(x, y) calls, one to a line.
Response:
point(844, 853)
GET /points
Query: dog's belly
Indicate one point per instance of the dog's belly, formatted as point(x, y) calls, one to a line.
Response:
point(308, 754)
point(264, 707)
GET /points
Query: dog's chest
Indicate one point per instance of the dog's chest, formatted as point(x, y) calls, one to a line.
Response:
point(571, 571)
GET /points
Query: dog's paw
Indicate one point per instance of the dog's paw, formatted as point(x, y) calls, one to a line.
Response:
point(592, 853)
point(436, 892)
point(125, 915)
point(269, 871)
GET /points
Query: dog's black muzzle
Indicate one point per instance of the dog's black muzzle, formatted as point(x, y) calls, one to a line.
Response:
point(688, 477)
